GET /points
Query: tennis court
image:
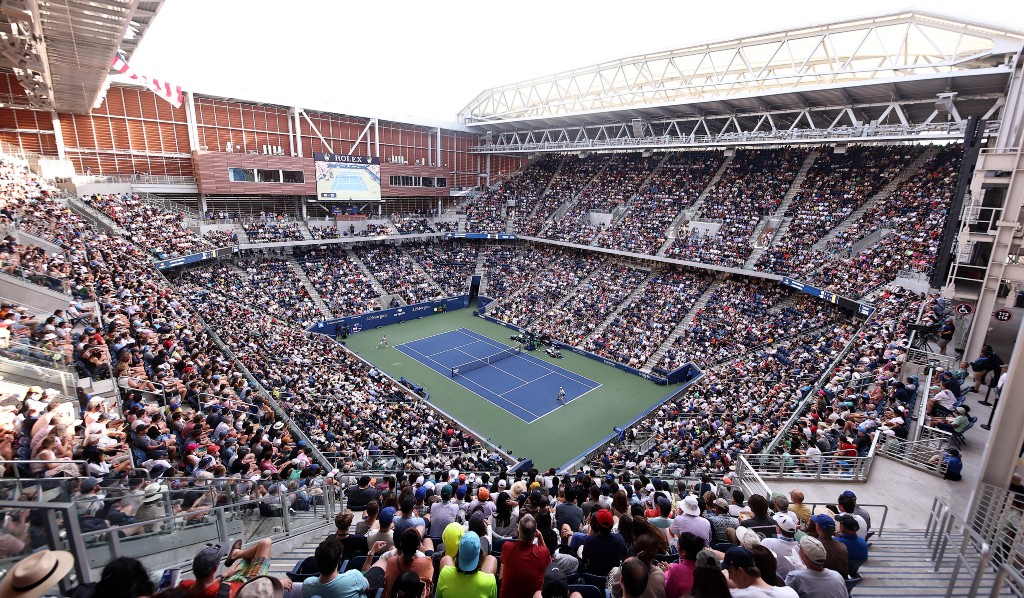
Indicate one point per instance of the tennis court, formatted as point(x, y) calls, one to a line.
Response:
point(344, 181)
point(518, 383)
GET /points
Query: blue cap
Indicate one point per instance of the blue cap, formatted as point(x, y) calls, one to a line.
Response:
point(421, 493)
point(849, 494)
point(824, 521)
point(387, 515)
point(461, 491)
point(738, 556)
point(469, 551)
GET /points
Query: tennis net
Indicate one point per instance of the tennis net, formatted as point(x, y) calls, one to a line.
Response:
point(479, 363)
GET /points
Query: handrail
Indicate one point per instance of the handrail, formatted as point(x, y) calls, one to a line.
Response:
point(755, 486)
point(878, 525)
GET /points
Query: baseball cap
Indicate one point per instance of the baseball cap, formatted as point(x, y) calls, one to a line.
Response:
point(461, 491)
point(469, 551)
point(747, 537)
point(263, 586)
point(386, 516)
point(483, 493)
point(556, 584)
point(421, 493)
point(88, 485)
point(824, 521)
point(848, 522)
point(208, 560)
point(605, 519)
point(706, 559)
point(721, 503)
point(814, 549)
point(451, 536)
point(848, 494)
point(738, 556)
point(785, 522)
point(690, 506)
point(446, 491)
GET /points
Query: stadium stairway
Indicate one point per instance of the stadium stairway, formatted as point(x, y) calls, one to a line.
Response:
point(629, 204)
point(671, 232)
point(536, 200)
point(420, 269)
point(680, 327)
point(318, 300)
point(377, 287)
point(900, 566)
point(885, 192)
point(567, 205)
point(599, 330)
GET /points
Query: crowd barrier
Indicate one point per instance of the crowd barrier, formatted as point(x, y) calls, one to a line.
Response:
point(387, 317)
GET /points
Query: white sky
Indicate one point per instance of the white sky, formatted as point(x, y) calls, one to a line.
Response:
point(410, 60)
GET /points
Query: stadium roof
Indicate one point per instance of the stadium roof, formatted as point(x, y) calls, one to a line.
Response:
point(61, 50)
point(874, 60)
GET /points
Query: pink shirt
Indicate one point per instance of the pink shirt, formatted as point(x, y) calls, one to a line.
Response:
point(679, 578)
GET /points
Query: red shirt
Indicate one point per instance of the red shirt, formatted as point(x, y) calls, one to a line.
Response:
point(210, 591)
point(522, 569)
point(679, 578)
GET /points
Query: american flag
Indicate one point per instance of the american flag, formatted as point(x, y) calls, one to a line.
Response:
point(167, 91)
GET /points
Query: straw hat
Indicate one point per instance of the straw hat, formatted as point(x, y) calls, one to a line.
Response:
point(34, 575)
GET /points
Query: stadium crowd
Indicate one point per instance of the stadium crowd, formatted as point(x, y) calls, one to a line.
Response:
point(411, 224)
point(342, 284)
point(272, 231)
point(551, 282)
point(752, 187)
point(675, 185)
point(593, 300)
point(397, 273)
point(487, 212)
point(264, 283)
point(611, 188)
point(161, 231)
point(835, 187)
point(324, 232)
point(222, 237)
point(449, 264)
point(571, 176)
point(637, 331)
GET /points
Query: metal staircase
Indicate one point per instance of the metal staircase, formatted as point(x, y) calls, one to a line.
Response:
point(672, 228)
point(314, 294)
point(681, 326)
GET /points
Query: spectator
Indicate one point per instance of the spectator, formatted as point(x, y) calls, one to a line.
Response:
point(708, 580)
point(744, 574)
point(689, 520)
point(331, 583)
point(823, 527)
point(815, 580)
point(470, 574)
point(524, 561)
point(679, 578)
point(351, 544)
point(602, 549)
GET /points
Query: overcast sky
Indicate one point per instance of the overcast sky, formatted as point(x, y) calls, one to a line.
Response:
point(424, 59)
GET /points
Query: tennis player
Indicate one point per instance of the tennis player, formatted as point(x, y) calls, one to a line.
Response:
point(561, 395)
point(383, 342)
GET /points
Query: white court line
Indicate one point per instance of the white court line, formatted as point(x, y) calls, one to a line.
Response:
point(535, 416)
point(424, 355)
point(526, 384)
point(580, 378)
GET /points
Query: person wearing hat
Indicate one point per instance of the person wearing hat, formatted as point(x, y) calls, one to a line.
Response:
point(950, 462)
point(443, 512)
point(36, 574)
point(856, 547)
point(524, 561)
point(744, 574)
point(384, 532)
point(723, 525)
point(814, 580)
point(556, 584)
point(689, 520)
point(708, 579)
point(784, 544)
point(823, 527)
point(602, 549)
point(470, 574)
point(847, 503)
point(152, 506)
point(957, 424)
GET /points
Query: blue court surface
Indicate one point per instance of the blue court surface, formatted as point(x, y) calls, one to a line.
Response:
point(523, 385)
point(348, 182)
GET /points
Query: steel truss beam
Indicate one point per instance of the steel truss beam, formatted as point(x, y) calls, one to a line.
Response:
point(891, 47)
point(892, 121)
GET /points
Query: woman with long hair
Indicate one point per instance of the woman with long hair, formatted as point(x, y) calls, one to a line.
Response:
point(406, 559)
point(708, 579)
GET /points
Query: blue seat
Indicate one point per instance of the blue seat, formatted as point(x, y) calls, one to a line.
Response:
point(307, 567)
point(587, 591)
point(599, 581)
point(958, 438)
point(356, 562)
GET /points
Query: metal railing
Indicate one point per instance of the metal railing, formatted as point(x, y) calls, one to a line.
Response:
point(747, 478)
point(828, 466)
point(986, 546)
point(163, 538)
point(59, 285)
point(41, 374)
point(920, 454)
point(138, 179)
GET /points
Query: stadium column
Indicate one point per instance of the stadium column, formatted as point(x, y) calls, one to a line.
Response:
point(58, 136)
point(298, 131)
point(1007, 434)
